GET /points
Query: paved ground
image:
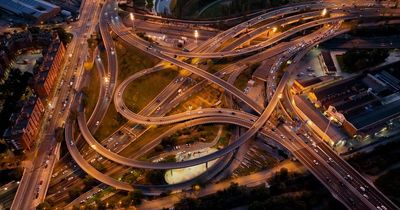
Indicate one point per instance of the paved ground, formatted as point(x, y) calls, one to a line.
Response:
point(179, 175)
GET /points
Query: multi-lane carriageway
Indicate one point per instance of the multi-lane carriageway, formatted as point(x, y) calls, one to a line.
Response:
point(255, 124)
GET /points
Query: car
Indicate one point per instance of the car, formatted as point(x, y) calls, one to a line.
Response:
point(362, 188)
point(365, 196)
point(352, 201)
point(315, 162)
point(349, 177)
point(97, 123)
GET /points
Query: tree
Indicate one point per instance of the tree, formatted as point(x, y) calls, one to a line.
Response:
point(284, 172)
point(169, 141)
point(100, 205)
point(64, 36)
point(119, 118)
point(100, 167)
point(74, 193)
point(187, 204)
point(44, 205)
point(169, 159)
point(155, 176)
point(59, 134)
point(159, 148)
point(136, 196)
point(149, 4)
point(89, 182)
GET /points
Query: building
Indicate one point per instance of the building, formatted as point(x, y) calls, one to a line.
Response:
point(360, 103)
point(38, 9)
point(9, 46)
point(53, 53)
point(325, 58)
point(301, 85)
point(25, 125)
point(47, 73)
point(321, 124)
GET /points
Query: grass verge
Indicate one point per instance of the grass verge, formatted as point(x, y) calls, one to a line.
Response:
point(130, 61)
point(141, 91)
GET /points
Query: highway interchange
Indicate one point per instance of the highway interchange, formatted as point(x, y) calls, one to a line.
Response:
point(338, 176)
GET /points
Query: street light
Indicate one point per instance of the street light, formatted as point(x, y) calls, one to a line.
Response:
point(196, 35)
point(132, 17)
point(274, 29)
point(329, 123)
point(324, 12)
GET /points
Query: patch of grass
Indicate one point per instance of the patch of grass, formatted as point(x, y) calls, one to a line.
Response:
point(204, 133)
point(144, 139)
point(130, 61)
point(242, 79)
point(141, 91)
point(225, 136)
point(91, 91)
point(207, 98)
point(112, 121)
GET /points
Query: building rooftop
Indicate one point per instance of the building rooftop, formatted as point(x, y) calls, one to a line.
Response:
point(318, 118)
point(308, 82)
point(326, 55)
point(30, 8)
point(376, 115)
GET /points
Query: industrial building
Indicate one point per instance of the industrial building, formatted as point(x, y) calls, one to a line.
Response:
point(37, 9)
point(360, 103)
